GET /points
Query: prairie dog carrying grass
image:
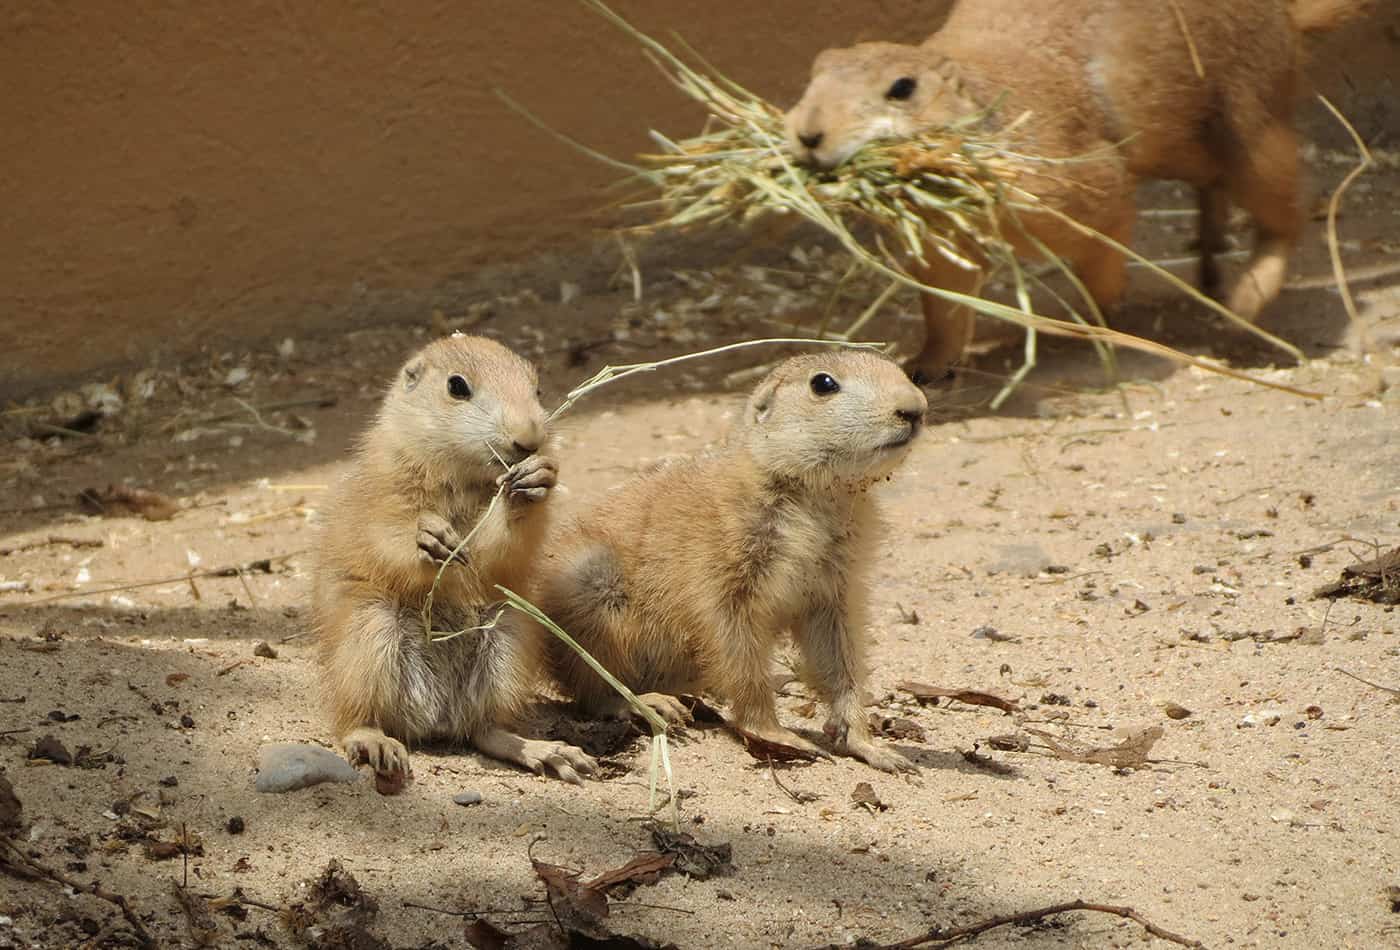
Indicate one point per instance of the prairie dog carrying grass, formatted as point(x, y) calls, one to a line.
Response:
point(1113, 85)
point(684, 579)
point(461, 419)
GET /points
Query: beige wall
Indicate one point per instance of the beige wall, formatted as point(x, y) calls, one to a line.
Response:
point(173, 172)
point(177, 173)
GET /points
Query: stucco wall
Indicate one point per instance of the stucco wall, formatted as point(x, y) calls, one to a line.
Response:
point(178, 173)
point(175, 172)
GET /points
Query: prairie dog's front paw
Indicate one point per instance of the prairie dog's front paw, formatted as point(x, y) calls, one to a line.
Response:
point(876, 755)
point(437, 539)
point(386, 755)
point(530, 479)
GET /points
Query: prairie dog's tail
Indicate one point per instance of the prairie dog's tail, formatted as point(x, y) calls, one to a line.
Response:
point(1321, 16)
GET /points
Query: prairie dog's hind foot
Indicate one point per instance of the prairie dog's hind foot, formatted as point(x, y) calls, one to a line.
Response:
point(540, 756)
point(666, 706)
point(370, 746)
point(875, 754)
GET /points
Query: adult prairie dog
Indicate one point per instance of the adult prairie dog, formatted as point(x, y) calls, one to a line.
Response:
point(461, 420)
point(1192, 90)
point(684, 579)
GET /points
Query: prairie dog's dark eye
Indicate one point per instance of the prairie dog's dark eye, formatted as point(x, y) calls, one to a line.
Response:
point(457, 386)
point(902, 88)
point(823, 385)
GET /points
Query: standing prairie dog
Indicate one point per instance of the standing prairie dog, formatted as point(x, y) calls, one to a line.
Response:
point(461, 420)
point(1113, 85)
point(684, 579)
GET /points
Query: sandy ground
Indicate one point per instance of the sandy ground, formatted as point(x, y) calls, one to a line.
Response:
point(1133, 547)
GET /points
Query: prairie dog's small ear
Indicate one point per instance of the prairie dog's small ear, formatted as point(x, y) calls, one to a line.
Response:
point(761, 402)
point(412, 374)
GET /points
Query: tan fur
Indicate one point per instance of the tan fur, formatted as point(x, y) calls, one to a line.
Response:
point(684, 579)
point(1106, 78)
point(420, 479)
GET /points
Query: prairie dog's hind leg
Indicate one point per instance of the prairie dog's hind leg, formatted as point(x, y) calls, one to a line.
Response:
point(538, 755)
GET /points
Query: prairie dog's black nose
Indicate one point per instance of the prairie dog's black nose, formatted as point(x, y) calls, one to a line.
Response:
point(911, 416)
point(811, 139)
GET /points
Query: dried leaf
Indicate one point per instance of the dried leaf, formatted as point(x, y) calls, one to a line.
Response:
point(1011, 742)
point(1131, 753)
point(483, 935)
point(863, 796)
point(50, 749)
point(925, 693)
point(766, 750)
point(646, 868)
point(123, 500)
point(692, 858)
point(897, 728)
point(204, 929)
point(10, 806)
point(175, 679)
point(336, 914)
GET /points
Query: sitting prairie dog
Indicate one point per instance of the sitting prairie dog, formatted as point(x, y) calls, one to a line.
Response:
point(1108, 78)
point(460, 420)
point(683, 579)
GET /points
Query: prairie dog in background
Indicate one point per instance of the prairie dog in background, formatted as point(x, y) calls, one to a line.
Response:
point(1113, 85)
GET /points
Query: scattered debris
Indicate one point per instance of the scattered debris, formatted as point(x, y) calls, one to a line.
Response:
point(1012, 742)
point(336, 914)
point(766, 750)
point(911, 617)
point(204, 929)
point(53, 540)
point(288, 766)
point(863, 796)
point(50, 749)
point(576, 906)
point(897, 728)
point(13, 857)
point(265, 650)
point(1175, 711)
point(945, 935)
point(235, 825)
point(931, 694)
point(646, 868)
point(987, 763)
point(467, 798)
point(1131, 753)
point(123, 500)
point(10, 806)
point(1376, 580)
point(986, 632)
point(186, 843)
point(692, 858)
point(1265, 717)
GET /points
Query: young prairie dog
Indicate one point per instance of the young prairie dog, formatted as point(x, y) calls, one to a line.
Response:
point(461, 419)
point(684, 579)
point(1114, 79)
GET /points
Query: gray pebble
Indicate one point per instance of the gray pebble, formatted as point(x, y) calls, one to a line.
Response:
point(288, 766)
point(467, 798)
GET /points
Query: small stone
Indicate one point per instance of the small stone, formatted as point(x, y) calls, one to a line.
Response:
point(1313, 712)
point(1175, 711)
point(288, 766)
point(170, 781)
point(1178, 517)
point(1265, 717)
point(1202, 569)
point(467, 798)
point(1282, 816)
point(187, 721)
point(235, 825)
point(987, 632)
point(264, 650)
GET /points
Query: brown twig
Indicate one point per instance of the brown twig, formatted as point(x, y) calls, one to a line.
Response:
point(1388, 689)
point(143, 937)
point(52, 540)
point(259, 566)
point(940, 936)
